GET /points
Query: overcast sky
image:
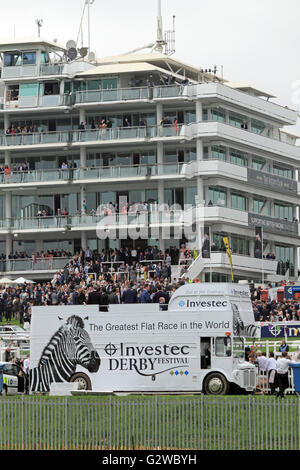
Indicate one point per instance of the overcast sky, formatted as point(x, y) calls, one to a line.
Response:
point(257, 42)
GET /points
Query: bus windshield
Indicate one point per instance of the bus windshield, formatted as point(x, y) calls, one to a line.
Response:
point(238, 348)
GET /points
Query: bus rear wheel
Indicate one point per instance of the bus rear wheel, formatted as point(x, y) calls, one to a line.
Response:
point(215, 384)
point(83, 380)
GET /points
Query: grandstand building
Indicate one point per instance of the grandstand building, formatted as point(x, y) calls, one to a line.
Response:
point(173, 134)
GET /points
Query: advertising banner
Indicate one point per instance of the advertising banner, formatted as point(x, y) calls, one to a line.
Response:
point(279, 330)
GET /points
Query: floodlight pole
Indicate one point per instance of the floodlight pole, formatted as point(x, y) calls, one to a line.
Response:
point(89, 3)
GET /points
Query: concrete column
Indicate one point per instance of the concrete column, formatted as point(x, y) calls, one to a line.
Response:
point(199, 115)
point(160, 157)
point(6, 121)
point(39, 245)
point(8, 199)
point(199, 147)
point(7, 157)
point(82, 157)
point(159, 113)
point(8, 245)
point(84, 240)
point(82, 115)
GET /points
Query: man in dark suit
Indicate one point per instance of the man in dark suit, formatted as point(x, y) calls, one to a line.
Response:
point(94, 297)
point(129, 295)
point(112, 297)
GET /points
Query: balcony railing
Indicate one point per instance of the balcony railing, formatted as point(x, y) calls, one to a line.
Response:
point(92, 135)
point(36, 138)
point(124, 94)
point(97, 173)
point(51, 69)
point(33, 264)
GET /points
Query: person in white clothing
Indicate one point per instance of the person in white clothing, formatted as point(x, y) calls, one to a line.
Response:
point(272, 373)
point(283, 365)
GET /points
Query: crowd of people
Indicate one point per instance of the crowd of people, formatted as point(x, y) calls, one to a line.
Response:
point(274, 310)
point(273, 369)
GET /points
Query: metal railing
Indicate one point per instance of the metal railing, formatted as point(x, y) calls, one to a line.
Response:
point(97, 172)
point(30, 264)
point(125, 94)
point(90, 135)
point(149, 423)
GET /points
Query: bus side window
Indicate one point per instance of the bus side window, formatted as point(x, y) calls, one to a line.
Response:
point(223, 346)
point(205, 350)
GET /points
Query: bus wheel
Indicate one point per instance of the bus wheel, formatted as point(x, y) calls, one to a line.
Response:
point(83, 380)
point(215, 384)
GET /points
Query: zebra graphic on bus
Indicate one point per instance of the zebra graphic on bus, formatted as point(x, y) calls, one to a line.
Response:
point(69, 347)
point(239, 328)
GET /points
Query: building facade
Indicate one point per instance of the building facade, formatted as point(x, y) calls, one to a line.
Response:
point(78, 138)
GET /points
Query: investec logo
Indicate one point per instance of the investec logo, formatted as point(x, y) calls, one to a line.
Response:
point(203, 304)
point(145, 360)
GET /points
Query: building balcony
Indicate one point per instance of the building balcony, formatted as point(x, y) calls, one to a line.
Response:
point(212, 130)
point(93, 174)
point(242, 265)
point(40, 266)
point(125, 94)
point(222, 93)
point(93, 137)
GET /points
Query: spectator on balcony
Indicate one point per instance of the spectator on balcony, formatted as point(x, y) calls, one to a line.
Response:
point(81, 126)
point(126, 123)
point(108, 123)
point(244, 125)
point(167, 121)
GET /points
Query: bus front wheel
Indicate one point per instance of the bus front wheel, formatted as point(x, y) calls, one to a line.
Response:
point(215, 384)
point(83, 380)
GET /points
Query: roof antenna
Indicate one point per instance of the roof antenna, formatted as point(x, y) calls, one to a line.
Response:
point(160, 43)
point(39, 23)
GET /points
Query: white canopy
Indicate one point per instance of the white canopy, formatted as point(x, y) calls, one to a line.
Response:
point(6, 280)
point(22, 280)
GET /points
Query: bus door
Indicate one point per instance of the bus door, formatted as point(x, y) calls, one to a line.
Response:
point(222, 351)
point(205, 351)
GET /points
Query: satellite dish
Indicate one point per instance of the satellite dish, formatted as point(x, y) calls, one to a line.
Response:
point(72, 53)
point(71, 44)
point(83, 51)
point(91, 57)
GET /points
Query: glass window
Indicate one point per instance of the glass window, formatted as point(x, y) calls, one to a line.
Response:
point(217, 196)
point(236, 120)
point(108, 197)
point(239, 202)
point(285, 256)
point(190, 116)
point(29, 89)
point(109, 83)
point(238, 158)
point(218, 242)
point(218, 114)
point(223, 346)
point(171, 156)
point(257, 164)
point(190, 155)
point(29, 58)
point(136, 196)
point(70, 202)
point(151, 195)
point(191, 193)
point(45, 59)
point(240, 246)
point(257, 127)
point(258, 204)
point(12, 59)
point(218, 153)
point(282, 171)
point(283, 212)
point(46, 203)
point(19, 204)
